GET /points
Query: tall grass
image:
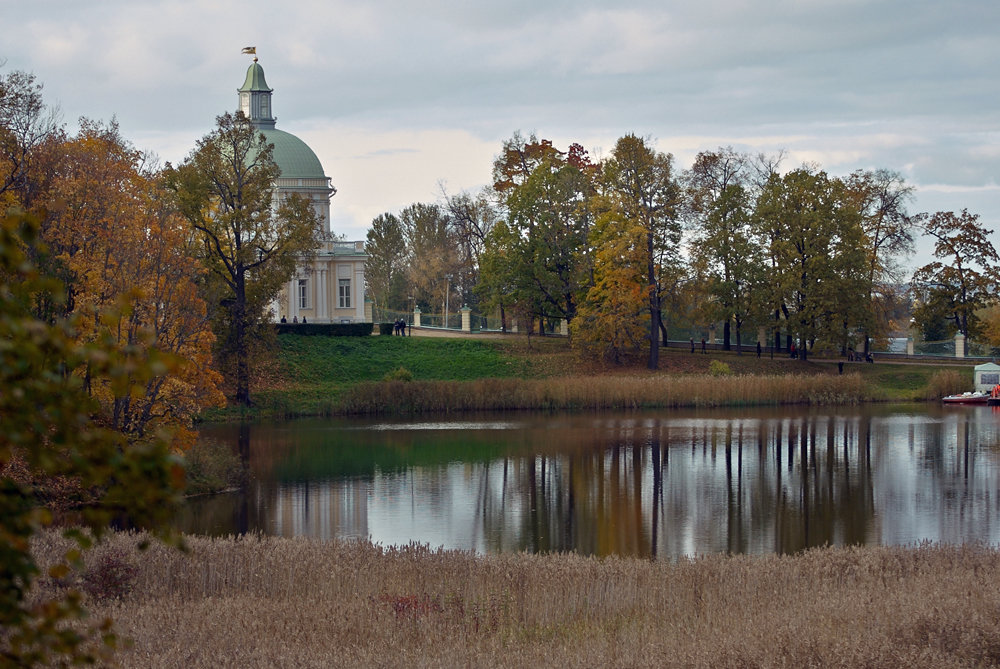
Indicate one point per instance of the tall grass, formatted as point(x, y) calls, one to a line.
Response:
point(602, 392)
point(263, 602)
point(946, 382)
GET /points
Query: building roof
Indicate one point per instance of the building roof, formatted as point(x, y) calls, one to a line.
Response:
point(255, 79)
point(293, 156)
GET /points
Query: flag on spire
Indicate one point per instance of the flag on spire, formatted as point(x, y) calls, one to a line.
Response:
point(250, 50)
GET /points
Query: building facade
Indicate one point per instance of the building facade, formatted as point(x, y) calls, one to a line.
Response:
point(329, 284)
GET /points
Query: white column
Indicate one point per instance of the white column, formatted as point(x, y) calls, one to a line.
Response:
point(293, 298)
point(322, 308)
point(358, 293)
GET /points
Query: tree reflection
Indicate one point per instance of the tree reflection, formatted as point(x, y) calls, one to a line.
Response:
point(659, 485)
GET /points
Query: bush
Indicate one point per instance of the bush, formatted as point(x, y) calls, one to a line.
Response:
point(718, 368)
point(326, 329)
point(211, 466)
point(111, 575)
point(399, 374)
point(386, 328)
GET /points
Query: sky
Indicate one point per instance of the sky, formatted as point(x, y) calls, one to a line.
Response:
point(403, 101)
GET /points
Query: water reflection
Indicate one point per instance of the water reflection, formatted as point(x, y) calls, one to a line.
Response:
point(653, 484)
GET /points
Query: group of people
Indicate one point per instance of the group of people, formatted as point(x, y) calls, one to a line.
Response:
point(399, 327)
point(295, 319)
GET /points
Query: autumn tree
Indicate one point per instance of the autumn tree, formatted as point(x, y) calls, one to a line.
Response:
point(613, 321)
point(544, 199)
point(385, 267)
point(132, 279)
point(881, 197)
point(473, 217)
point(719, 205)
point(250, 244)
point(28, 129)
point(968, 282)
point(497, 285)
point(434, 261)
point(638, 188)
point(52, 427)
point(815, 242)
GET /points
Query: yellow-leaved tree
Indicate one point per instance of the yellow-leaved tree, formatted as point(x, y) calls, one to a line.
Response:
point(613, 320)
point(133, 281)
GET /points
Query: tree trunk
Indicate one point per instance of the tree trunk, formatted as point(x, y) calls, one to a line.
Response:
point(726, 336)
point(654, 306)
point(242, 355)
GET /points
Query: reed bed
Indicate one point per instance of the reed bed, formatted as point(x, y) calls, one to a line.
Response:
point(272, 602)
point(603, 392)
point(946, 382)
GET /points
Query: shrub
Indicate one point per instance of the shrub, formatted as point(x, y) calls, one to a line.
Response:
point(719, 368)
point(326, 329)
point(386, 328)
point(399, 374)
point(112, 574)
point(211, 466)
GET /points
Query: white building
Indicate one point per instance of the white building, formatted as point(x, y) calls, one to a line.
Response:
point(329, 285)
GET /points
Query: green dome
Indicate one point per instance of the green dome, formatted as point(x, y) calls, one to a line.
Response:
point(293, 156)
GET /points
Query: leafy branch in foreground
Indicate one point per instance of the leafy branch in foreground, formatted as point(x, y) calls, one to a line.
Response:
point(52, 430)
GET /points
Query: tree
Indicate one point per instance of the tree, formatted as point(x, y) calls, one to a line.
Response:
point(385, 266)
point(969, 282)
point(613, 319)
point(226, 190)
point(27, 126)
point(434, 261)
point(473, 217)
point(132, 278)
point(881, 197)
point(545, 198)
point(719, 204)
point(497, 276)
point(637, 183)
point(53, 428)
point(815, 243)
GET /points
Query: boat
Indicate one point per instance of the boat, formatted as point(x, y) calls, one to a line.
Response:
point(967, 398)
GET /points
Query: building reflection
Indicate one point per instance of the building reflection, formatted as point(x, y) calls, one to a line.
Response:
point(653, 485)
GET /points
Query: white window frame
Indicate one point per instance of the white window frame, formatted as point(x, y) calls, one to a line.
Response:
point(343, 296)
point(303, 296)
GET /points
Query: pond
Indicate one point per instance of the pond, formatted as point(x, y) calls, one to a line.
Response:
point(661, 484)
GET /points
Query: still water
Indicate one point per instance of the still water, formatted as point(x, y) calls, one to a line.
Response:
point(653, 484)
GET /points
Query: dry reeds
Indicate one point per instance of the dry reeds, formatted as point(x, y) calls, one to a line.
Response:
point(257, 601)
point(946, 382)
point(602, 392)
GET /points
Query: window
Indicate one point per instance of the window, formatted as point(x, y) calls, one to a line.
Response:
point(303, 294)
point(245, 104)
point(344, 293)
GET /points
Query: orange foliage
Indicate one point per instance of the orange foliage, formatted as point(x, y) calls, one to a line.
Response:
point(132, 282)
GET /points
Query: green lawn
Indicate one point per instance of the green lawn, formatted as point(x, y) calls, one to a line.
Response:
point(311, 373)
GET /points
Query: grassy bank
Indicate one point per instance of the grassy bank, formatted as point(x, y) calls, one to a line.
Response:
point(338, 375)
point(296, 602)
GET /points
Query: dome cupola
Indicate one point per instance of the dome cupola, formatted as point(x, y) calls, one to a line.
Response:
point(255, 98)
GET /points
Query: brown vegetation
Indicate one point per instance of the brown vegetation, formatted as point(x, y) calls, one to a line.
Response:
point(603, 392)
point(258, 601)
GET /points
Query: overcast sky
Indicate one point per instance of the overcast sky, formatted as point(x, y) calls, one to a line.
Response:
point(401, 98)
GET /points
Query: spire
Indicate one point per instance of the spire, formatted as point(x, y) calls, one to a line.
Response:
point(255, 96)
